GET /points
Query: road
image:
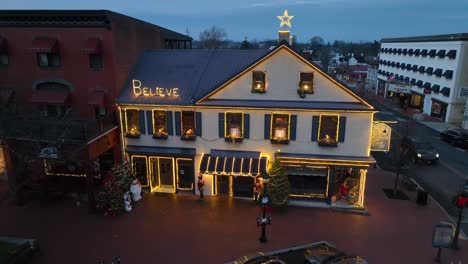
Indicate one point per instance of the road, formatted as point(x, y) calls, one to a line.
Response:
point(444, 179)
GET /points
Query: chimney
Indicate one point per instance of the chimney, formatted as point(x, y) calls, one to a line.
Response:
point(283, 36)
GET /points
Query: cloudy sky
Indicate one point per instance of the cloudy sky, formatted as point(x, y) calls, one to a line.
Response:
point(351, 20)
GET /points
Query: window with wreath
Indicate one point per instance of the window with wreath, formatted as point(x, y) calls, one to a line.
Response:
point(234, 127)
point(159, 124)
point(280, 129)
point(328, 130)
point(188, 125)
point(132, 128)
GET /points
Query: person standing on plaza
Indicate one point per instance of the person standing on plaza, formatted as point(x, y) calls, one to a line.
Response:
point(257, 188)
point(201, 185)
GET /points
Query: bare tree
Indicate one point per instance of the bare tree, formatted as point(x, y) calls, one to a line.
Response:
point(212, 38)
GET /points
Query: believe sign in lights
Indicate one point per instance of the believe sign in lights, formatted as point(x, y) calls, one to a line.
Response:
point(139, 89)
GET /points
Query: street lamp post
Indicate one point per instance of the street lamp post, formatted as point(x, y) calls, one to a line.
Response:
point(264, 203)
point(462, 201)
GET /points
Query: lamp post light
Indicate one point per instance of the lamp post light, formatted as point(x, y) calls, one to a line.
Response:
point(264, 203)
point(461, 202)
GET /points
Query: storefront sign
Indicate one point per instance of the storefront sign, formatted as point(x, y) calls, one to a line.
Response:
point(399, 88)
point(442, 236)
point(381, 134)
point(139, 89)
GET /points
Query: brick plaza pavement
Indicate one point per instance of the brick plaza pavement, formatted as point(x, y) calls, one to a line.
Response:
point(181, 229)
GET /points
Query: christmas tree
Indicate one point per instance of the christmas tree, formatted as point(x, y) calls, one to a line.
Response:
point(278, 187)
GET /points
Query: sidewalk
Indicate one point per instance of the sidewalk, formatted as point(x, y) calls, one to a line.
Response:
point(411, 113)
point(181, 229)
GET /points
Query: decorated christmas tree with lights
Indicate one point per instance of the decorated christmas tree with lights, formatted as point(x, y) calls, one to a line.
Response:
point(278, 187)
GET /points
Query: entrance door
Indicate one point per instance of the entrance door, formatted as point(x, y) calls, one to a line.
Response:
point(166, 172)
point(154, 172)
point(242, 186)
point(222, 185)
point(185, 175)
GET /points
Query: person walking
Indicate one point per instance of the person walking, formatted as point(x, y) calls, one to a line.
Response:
point(257, 188)
point(201, 185)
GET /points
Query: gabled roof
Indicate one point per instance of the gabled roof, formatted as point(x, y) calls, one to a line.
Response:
point(200, 73)
point(194, 72)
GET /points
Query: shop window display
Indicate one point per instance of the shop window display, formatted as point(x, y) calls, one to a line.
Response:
point(346, 186)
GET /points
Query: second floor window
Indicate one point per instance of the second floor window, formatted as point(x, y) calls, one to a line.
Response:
point(328, 130)
point(48, 60)
point(258, 82)
point(52, 111)
point(132, 123)
point(234, 127)
point(280, 128)
point(188, 125)
point(4, 59)
point(95, 61)
point(160, 124)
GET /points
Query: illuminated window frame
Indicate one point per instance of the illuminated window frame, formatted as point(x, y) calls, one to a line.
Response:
point(317, 195)
point(258, 82)
point(306, 83)
point(159, 134)
point(227, 136)
point(177, 175)
point(193, 134)
point(136, 129)
point(274, 140)
point(329, 143)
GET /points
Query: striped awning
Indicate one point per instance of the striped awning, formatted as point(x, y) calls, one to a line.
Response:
point(233, 165)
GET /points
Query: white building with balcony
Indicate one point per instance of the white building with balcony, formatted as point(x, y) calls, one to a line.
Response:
point(434, 70)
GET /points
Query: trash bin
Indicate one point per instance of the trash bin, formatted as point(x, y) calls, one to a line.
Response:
point(422, 197)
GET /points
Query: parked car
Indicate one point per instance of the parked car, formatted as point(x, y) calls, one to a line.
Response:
point(14, 250)
point(259, 258)
point(455, 136)
point(419, 150)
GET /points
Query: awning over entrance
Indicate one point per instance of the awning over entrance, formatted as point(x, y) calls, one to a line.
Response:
point(161, 151)
point(47, 45)
point(222, 162)
point(305, 159)
point(50, 97)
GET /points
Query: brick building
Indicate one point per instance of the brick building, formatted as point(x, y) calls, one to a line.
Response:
point(60, 72)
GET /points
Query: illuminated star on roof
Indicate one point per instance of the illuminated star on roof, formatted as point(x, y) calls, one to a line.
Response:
point(285, 19)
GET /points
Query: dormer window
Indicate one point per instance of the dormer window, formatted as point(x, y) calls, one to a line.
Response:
point(306, 84)
point(258, 82)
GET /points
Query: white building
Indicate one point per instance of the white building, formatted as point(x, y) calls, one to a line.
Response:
point(227, 114)
point(434, 69)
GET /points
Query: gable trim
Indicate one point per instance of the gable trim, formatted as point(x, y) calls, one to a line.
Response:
point(270, 54)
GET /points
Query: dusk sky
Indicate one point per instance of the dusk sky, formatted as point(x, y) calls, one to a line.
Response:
point(350, 20)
